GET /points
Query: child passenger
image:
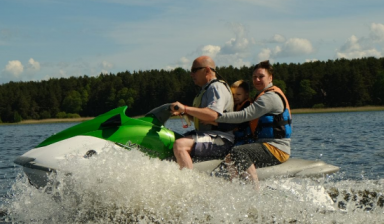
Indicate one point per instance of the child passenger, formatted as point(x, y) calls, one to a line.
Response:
point(240, 92)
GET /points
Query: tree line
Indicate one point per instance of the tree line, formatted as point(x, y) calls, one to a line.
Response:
point(332, 83)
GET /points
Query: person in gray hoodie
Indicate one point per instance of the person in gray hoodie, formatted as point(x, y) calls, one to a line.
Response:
point(270, 122)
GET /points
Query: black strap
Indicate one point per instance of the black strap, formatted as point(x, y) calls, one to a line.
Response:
point(218, 80)
point(279, 123)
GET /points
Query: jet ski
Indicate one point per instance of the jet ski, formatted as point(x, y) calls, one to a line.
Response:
point(148, 134)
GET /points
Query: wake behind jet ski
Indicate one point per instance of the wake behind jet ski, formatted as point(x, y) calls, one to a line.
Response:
point(147, 133)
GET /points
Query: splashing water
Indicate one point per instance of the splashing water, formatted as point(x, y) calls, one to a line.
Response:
point(121, 186)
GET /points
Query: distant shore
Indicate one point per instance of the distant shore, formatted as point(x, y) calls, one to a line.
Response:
point(336, 109)
point(294, 111)
point(54, 120)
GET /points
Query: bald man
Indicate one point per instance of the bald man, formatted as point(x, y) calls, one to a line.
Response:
point(214, 99)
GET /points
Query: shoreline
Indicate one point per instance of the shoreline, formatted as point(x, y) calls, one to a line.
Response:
point(337, 109)
point(294, 111)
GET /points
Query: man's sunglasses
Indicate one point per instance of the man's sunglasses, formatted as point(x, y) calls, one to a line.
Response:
point(194, 70)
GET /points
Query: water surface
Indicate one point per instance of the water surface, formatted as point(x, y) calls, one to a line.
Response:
point(126, 186)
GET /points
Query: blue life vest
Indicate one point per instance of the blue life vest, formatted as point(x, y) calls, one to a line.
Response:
point(273, 126)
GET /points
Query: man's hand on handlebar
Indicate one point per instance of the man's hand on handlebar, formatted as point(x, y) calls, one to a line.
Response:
point(177, 108)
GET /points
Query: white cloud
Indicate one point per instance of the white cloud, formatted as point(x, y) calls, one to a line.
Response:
point(184, 60)
point(240, 43)
point(296, 47)
point(352, 44)
point(277, 50)
point(33, 65)
point(234, 59)
point(355, 48)
point(210, 50)
point(15, 68)
point(265, 54)
point(232, 52)
point(291, 48)
point(377, 32)
point(235, 45)
point(183, 63)
point(277, 38)
point(56, 73)
point(359, 54)
point(106, 65)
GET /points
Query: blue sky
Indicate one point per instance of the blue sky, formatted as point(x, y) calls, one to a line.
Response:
point(42, 39)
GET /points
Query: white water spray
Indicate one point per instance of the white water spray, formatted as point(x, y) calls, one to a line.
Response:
point(120, 186)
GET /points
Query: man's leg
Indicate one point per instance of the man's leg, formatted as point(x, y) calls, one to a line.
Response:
point(182, 150)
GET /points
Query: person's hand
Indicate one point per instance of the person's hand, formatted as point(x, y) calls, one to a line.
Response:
point(177, 108)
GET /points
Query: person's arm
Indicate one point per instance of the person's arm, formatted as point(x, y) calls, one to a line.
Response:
point(270, 102)
point(229, 126)
point(205, 114)
point(215, 104)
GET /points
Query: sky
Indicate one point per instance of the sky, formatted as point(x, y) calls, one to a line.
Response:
point(43, 39)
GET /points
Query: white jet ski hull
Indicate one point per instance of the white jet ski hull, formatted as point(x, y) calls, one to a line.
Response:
point(41, 161)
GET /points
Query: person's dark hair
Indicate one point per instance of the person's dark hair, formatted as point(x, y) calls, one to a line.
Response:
point(266, 65)
point(245, 86)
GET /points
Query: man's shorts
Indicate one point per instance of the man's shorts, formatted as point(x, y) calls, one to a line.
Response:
point(211, 146)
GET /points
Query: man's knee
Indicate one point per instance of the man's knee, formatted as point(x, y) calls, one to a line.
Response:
point(177, 145)
point(182, 144)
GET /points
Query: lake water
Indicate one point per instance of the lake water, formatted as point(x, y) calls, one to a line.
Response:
point(126, 187)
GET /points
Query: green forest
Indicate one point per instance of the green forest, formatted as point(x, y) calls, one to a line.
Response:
point(320, 84)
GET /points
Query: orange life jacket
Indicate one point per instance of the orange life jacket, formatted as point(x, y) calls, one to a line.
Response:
point(240, 106)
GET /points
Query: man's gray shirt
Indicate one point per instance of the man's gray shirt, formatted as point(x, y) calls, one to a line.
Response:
point(217, 97)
